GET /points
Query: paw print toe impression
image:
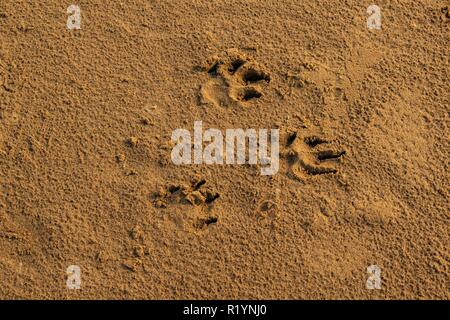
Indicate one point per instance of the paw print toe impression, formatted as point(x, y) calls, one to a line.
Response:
point(310, 155)
point(234, 78)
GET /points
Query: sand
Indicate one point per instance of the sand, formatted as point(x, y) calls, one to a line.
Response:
point(86, 176)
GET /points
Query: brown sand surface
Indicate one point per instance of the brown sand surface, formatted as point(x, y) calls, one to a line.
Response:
point(85, 139)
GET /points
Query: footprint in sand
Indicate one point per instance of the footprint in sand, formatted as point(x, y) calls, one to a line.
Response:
point(310, 155)
point(234, 79)
point(189, 206)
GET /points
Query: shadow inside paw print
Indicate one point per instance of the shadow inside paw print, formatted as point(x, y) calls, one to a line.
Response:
point(310, 155)
point(234, 78)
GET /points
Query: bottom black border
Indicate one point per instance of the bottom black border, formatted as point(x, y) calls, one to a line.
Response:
point(224, 309)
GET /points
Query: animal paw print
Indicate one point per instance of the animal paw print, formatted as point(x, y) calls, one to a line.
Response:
point(190, 205)
point(310, 155)
point(235, 78)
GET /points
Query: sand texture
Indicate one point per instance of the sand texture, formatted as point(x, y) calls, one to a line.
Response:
point(86, 178)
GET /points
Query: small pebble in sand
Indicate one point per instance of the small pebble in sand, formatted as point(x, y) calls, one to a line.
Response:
point(131, 172)
point(138, 251)
point(132, 264)
point(132, 141)
point(120, 157)
point(136, 233)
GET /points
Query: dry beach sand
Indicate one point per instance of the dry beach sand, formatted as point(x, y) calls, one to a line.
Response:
point(85, 140)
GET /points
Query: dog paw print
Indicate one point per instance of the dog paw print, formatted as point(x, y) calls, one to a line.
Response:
point(190, 204)
point(311, 155)
point(234, 78)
